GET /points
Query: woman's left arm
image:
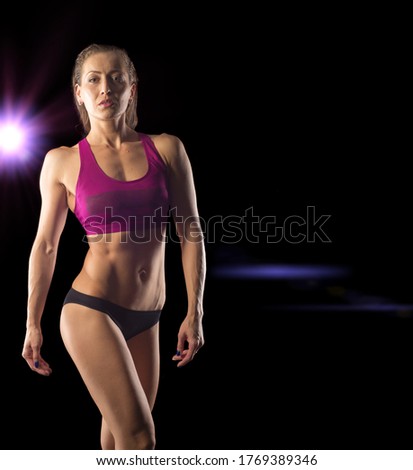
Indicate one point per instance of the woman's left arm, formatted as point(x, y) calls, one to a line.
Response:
point(183, 204)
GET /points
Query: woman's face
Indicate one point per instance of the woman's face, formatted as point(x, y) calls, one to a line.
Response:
point(105, 89)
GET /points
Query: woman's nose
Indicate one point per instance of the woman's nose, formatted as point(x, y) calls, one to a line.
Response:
point(105, 88)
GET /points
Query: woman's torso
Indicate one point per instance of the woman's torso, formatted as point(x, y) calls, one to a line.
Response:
point(125, 266)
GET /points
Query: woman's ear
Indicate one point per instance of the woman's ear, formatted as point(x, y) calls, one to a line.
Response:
point(78, 97)
point(133, 91)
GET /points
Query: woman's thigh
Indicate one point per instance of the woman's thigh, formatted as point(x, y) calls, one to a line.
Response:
point(144, 349)
point(107, 367)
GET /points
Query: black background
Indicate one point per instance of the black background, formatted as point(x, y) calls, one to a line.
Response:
point(279, 110)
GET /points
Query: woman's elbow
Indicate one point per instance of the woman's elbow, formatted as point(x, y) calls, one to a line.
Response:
point(45, 247)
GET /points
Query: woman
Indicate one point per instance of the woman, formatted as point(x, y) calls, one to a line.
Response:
point(120, 184)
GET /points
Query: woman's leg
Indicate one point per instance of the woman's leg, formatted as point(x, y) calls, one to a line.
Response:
point(107, 367)
point(144, 349)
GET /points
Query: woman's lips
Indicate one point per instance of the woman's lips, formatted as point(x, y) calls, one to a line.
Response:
point(106, 103)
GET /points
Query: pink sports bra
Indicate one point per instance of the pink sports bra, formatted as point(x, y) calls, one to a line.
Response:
point(106, 205)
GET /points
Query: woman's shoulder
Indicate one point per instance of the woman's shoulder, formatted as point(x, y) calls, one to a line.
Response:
point(168, 145)
point(165, 139)
point(62, 152)
point(57, 159)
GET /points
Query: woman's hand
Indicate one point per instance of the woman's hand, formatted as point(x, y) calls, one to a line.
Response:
point(190, 340)
point(31, 351)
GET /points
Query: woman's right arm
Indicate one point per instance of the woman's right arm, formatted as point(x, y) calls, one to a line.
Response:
point(43, 254)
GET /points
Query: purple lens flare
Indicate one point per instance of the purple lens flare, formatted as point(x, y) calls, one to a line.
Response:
point(279, 271)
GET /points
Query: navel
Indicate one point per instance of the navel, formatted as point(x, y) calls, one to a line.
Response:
point(143, 274)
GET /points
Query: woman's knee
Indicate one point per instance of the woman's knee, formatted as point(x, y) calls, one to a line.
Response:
point(142, 437)
point(107, 440)
point(141, 441)
point(146, 439)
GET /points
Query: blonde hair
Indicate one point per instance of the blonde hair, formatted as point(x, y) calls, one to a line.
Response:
point(131, 113)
